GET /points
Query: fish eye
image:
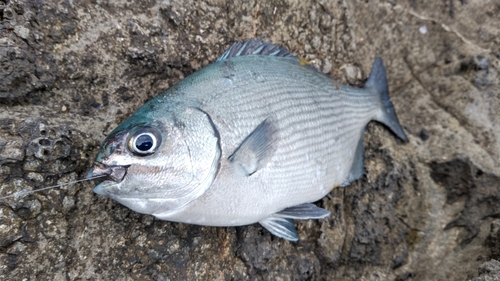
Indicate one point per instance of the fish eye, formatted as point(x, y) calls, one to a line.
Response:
point(144, 141)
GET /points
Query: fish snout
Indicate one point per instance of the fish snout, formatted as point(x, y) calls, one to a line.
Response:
point(114, 173)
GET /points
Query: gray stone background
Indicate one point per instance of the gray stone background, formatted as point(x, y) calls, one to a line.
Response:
point(70, 71)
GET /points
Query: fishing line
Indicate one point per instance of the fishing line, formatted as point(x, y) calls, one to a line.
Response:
point(23, 193)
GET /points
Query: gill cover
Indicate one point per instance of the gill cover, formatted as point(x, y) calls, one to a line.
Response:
point(170, 161)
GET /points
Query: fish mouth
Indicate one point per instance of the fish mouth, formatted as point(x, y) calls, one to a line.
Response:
point(111, 173)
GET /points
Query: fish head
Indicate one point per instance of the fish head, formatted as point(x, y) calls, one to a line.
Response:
point(157, 162)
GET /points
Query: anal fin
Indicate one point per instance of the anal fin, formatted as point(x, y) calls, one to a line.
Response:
point(281, 227)
point(357, 164)
point(303, 211)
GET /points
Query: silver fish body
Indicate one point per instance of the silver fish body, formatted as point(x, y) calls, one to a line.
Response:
point(255, 137)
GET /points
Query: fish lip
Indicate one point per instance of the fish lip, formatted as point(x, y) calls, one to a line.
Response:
point(115, 173)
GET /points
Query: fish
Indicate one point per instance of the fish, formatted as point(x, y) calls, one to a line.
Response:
point(257, 136)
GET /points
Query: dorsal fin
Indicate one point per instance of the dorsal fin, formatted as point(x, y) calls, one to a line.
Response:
point(255, 47)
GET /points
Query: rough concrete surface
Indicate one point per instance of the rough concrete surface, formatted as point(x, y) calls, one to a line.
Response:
point(70, 71)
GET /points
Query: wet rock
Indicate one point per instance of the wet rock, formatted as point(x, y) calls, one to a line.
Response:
point(488, 271)
point(493, 240)
point(479, 190)
point(24, 69)
point(70, 71)
point(481, 62)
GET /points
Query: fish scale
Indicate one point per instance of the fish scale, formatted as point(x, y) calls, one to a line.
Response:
point(255, 137)
point(272, 101)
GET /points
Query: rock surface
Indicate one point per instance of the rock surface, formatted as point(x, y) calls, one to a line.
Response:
point(70, 71)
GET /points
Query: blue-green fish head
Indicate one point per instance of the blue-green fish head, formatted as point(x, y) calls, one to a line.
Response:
point(154, 159)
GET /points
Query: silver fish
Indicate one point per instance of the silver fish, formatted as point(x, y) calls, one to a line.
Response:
point(254, 137)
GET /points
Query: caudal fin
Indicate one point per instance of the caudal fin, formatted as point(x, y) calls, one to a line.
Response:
point(377, 83)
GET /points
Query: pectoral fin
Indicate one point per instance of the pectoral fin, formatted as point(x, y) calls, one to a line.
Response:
point(257, 148)
point(303, 212)
point(281, 227)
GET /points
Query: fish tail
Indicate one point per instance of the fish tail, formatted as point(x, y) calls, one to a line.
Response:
point(377, 82)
